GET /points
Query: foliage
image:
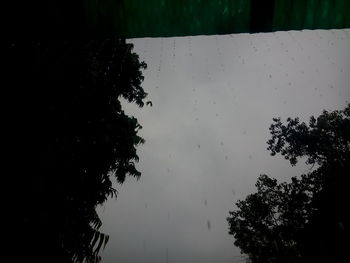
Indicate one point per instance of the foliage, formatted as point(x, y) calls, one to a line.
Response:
point(74, 138)
point(294, 222)
point(325, 140)
point(267, 223)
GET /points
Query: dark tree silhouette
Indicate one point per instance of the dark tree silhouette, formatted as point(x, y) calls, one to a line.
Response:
point(72, 138)
point(304, 220)
point(324, 141)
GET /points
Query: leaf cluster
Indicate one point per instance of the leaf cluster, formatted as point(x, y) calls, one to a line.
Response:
point(293, 222)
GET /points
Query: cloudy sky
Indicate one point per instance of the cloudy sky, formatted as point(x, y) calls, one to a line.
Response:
point(214, 98)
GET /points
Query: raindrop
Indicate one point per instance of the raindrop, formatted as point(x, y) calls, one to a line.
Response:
point(250, 157)
point(295, 40)
point(208, 225)
point(320, 37)
point(205, 202)
point(226, 157)
point(346, 33)
point(199, 146)
point(289, 83)
point(233, 192)
point(221, 143)
point(270, 76)
point(146, 205)
point(244, 132)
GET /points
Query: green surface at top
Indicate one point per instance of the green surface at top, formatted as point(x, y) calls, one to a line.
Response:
point(163, 18)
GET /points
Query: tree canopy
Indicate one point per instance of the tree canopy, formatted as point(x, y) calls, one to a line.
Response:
point(73, 138)
point(304, 220)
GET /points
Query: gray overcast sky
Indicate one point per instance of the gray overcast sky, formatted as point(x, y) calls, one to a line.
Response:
point(214, 98)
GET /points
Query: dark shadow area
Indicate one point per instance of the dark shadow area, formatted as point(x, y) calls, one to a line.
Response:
point(305, 220)
point(261, 15)
point(71, 138)
point(69, 134)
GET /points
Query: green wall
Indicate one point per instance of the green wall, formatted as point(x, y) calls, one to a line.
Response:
point(161, 18)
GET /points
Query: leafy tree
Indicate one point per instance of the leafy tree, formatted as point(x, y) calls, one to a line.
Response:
point(73, 137)
point(267, 224)
point(324, 141)
point(304, 220)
